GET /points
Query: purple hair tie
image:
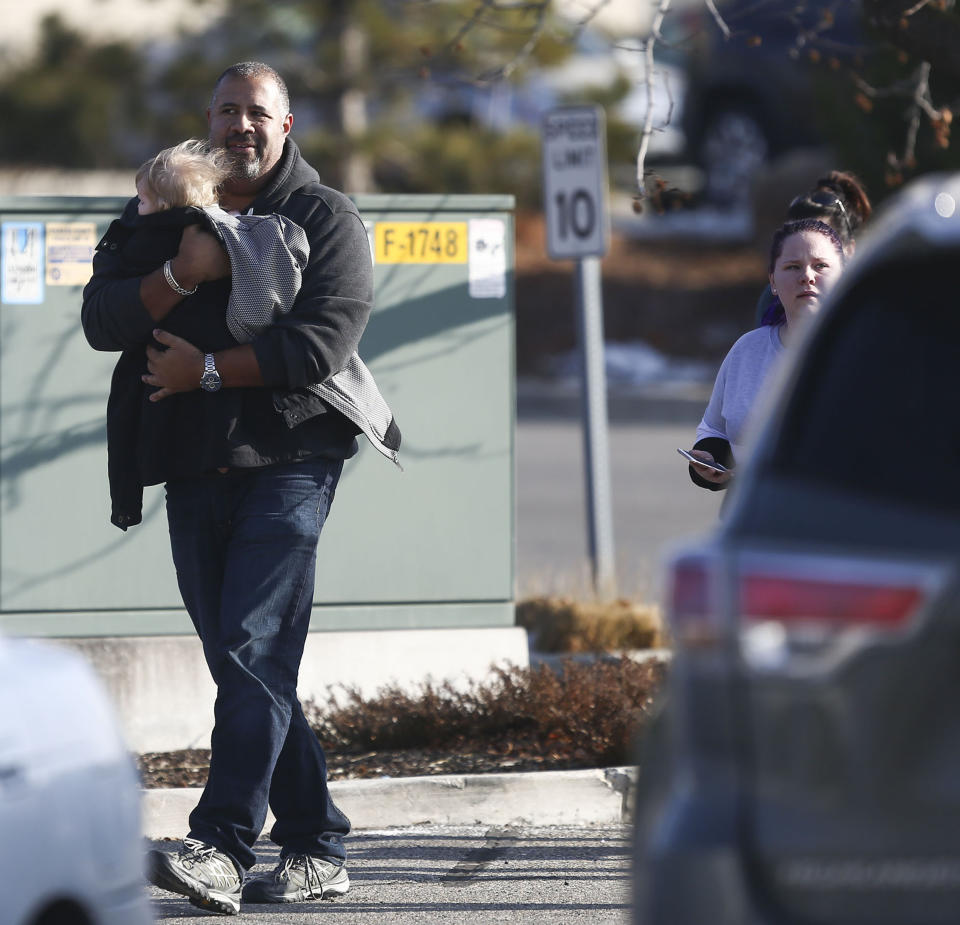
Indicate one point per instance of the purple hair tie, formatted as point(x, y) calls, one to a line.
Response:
point(774, 314)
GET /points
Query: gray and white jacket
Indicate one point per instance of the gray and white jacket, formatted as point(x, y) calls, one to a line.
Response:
point(267, 256)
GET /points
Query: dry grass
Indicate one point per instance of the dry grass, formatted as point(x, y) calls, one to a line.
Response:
point(585, 713)
point(566, 624)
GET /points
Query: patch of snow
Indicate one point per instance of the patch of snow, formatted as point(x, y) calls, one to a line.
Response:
point(636, 363)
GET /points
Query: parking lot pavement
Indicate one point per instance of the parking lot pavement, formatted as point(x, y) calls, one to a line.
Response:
point(475, 874)
point(655, 505)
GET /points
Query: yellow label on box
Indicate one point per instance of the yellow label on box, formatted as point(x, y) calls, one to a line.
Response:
point(420, 242)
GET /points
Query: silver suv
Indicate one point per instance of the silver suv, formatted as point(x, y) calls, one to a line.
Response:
point(806, 764)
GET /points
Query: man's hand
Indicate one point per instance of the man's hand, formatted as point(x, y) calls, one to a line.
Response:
point(179, 368)
point(200, 259)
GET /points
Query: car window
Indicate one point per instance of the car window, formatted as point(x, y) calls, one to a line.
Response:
point(876, 408)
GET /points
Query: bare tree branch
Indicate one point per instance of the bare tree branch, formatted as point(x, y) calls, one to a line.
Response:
point(724, 28)
point(504, 71)
point(913, 126)
point(590, 15)
point(648, 74)
point(479, 17)
point(466, 27)
point(926, 30)
point(917, 91)
point(923, 30)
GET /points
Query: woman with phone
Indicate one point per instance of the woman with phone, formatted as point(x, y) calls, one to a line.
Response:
point(806, 258)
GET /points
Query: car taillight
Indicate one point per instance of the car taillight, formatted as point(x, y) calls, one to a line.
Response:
point(807, 611)
point(693, 605)
point(690, 588)
point(801, 599)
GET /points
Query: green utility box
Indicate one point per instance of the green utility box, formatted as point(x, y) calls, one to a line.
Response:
point(431, 546)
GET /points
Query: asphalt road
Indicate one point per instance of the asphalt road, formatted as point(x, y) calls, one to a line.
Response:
point(476, 874)
point(655, 505)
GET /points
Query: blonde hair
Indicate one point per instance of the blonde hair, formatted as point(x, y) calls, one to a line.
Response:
point(187, 174)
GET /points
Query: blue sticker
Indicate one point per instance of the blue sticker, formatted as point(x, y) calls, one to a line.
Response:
point(21, 263)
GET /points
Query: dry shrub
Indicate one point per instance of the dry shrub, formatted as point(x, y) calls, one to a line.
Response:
point(586, 713)
point(563, 624)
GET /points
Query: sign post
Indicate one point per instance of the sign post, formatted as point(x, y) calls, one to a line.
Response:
point(575, 202)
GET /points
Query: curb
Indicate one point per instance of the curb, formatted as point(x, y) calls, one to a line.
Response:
point(600, 796)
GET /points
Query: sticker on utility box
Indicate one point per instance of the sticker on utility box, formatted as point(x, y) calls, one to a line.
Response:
point(420, 242)
point(488, 258)
point(21, 263)
point(70, 247)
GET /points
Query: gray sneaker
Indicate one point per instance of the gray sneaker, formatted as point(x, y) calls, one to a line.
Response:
point(298, 877)
point(207, 877)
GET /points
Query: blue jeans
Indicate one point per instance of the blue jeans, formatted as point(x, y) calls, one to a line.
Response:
point(244, 546)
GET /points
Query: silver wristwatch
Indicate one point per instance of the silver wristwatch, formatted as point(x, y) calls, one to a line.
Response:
point(210, 380)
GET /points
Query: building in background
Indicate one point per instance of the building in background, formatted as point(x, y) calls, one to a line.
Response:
point(113, 19)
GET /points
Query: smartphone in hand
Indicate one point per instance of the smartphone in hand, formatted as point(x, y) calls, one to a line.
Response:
point(702, 462)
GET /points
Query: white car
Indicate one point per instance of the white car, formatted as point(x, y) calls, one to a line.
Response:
point(70, 845)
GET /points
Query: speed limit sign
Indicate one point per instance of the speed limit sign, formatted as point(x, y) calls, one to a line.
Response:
point(575, 182)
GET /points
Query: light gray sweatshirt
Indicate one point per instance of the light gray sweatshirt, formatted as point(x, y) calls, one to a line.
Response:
point(743, 373)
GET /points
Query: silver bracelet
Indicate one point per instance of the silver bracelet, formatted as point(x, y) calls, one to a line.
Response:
point(174, 285)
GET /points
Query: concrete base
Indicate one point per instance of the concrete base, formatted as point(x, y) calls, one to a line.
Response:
point(543, 798)
point(164, 696)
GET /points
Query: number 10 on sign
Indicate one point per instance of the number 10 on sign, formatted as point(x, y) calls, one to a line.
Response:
point(575, 182)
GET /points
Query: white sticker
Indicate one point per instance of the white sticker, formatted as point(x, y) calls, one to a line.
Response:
point(488, 258)
point(373, 250)
point(21, 253)
point(70, 247)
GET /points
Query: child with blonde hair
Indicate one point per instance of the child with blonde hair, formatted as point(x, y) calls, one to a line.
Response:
point(267, 252)
point(188, 174)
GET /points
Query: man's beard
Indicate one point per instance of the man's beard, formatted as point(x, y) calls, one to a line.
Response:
point(244, 168)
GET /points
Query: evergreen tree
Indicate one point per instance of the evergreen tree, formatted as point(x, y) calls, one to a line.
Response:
point(74, 104)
